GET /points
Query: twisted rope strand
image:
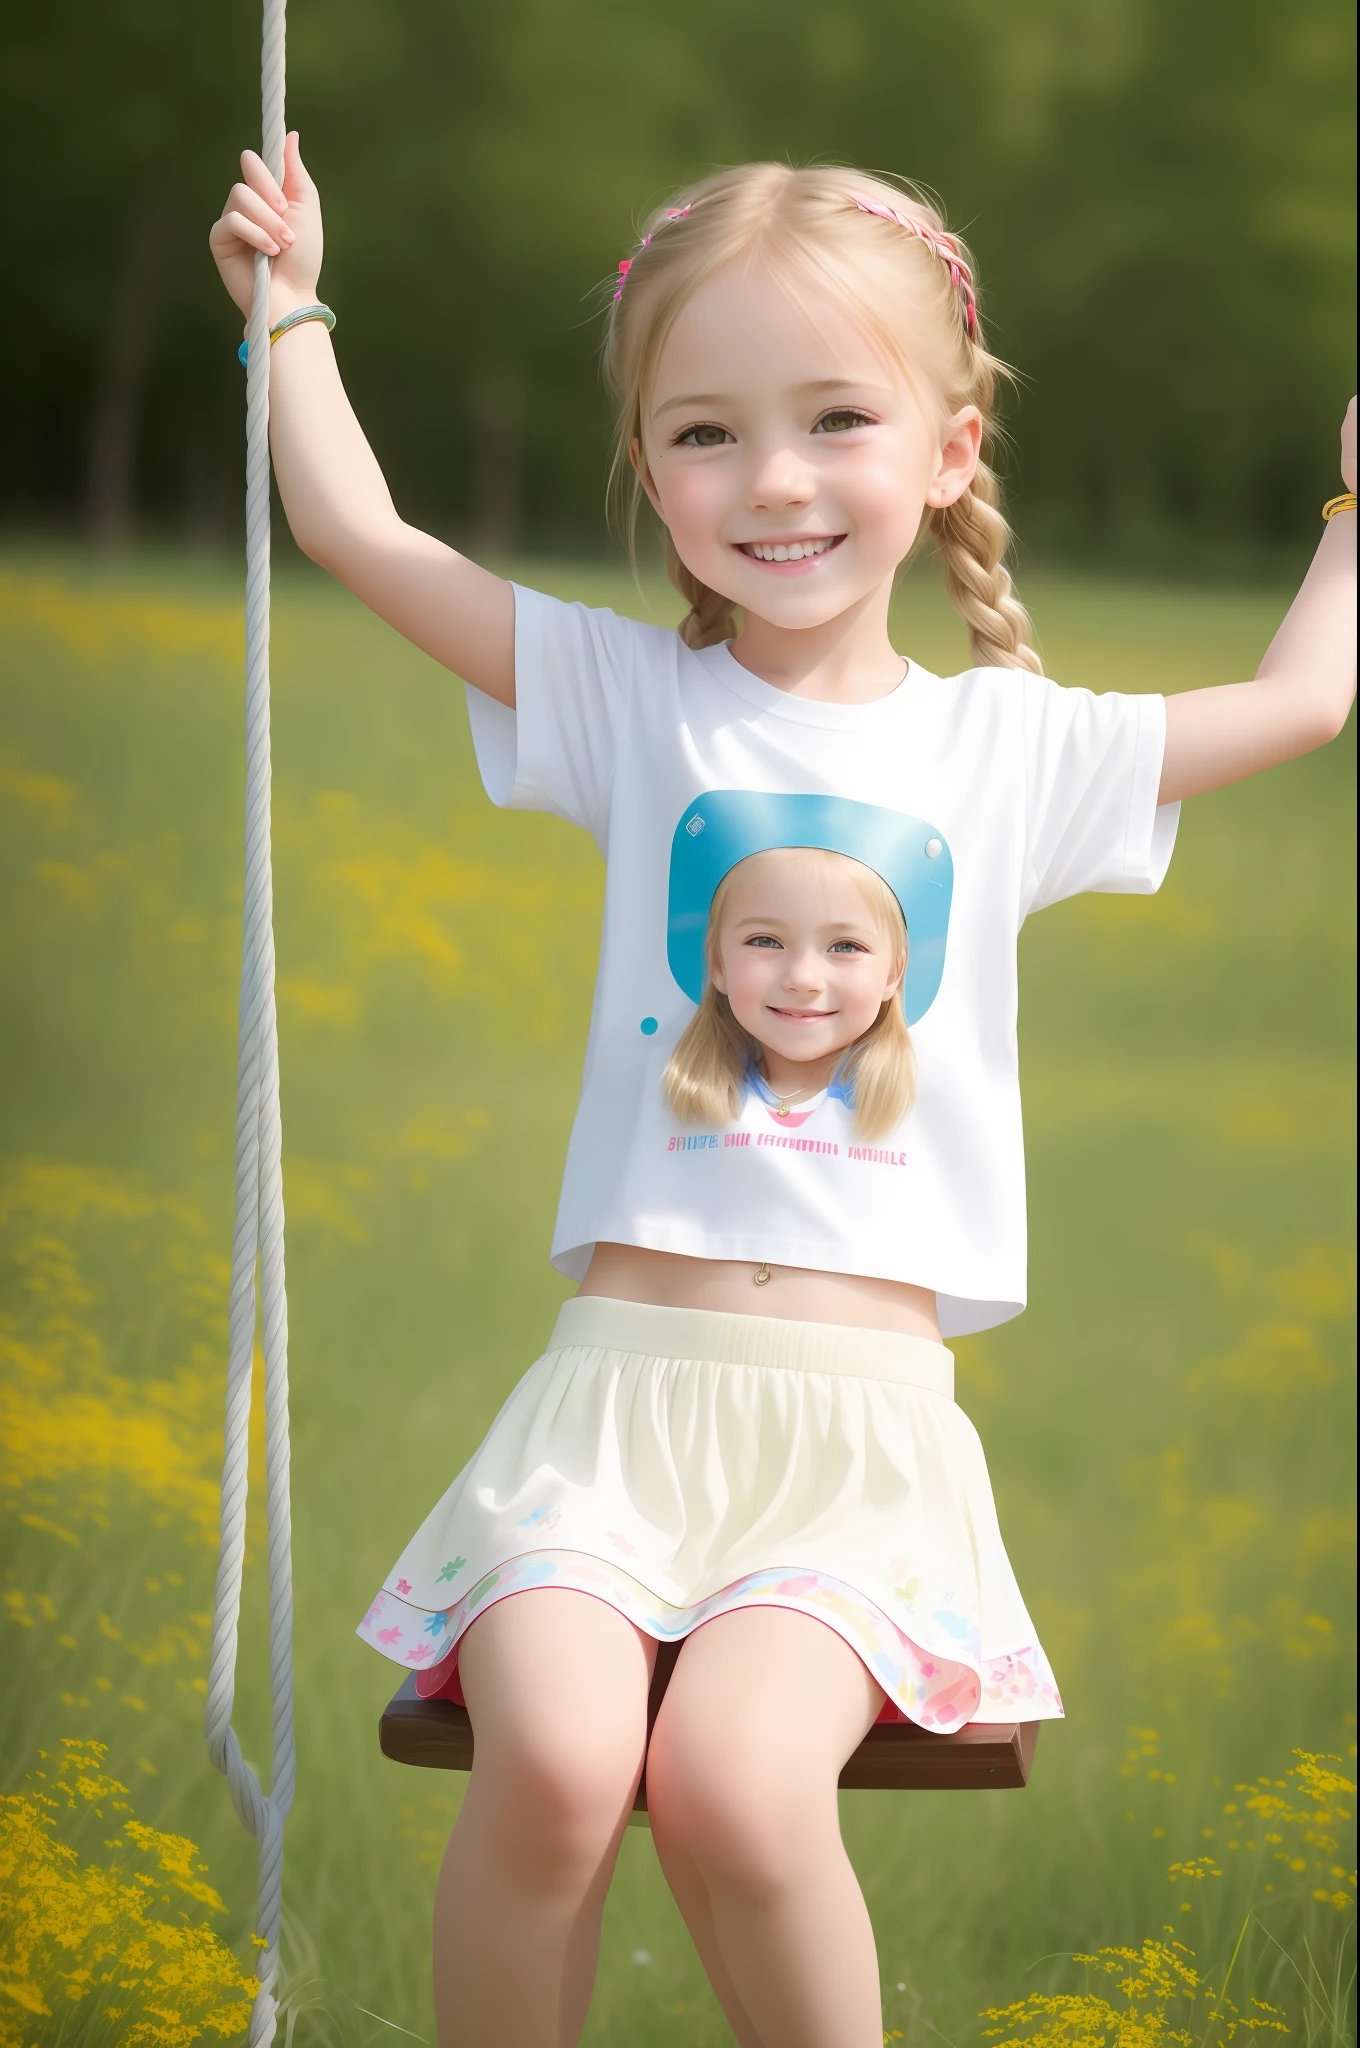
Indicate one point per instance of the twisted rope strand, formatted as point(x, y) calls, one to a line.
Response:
point(257, 1275)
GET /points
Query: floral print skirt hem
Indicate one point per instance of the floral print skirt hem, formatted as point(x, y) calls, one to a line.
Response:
point(680, 1464)
point(936, 1692)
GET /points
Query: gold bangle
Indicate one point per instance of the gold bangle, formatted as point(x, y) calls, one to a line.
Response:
point(1345, 503)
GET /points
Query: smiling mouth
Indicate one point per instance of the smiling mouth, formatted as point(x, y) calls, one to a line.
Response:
point(789, 550)
point(802, 1016)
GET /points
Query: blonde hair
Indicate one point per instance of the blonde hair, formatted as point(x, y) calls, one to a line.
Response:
point(810, 227)
point(704, 1075)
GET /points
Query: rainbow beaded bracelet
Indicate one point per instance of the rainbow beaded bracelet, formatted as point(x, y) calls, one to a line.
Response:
point(293, 319)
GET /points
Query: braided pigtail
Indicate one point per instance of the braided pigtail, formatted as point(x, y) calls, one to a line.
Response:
point(973, 536)
point(711, 617)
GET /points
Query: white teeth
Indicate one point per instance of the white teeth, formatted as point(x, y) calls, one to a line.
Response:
point(792, 551)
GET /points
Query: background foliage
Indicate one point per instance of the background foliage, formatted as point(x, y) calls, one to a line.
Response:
point(1159, 192)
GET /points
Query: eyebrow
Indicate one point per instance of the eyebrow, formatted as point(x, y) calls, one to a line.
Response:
point(835, 924)
point(700, 400)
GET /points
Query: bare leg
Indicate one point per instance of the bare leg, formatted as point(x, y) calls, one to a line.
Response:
point(556, 1684)
point(763, 1709)
point(691, 1895)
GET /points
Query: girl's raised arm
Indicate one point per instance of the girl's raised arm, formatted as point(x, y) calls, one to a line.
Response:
point(335, 495)
point(1303, 689)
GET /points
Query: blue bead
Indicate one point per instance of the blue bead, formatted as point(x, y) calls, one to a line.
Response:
point(243, 354)
point(649, 1026)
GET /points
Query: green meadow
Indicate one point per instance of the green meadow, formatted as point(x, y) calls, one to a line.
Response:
point(1169, 1427)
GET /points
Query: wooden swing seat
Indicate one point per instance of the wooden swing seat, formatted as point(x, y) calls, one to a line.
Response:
point(895, 1756)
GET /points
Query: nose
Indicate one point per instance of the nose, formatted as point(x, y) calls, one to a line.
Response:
point(803, 972)
point(780, 477)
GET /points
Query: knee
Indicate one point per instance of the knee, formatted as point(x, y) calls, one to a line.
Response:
point(555, 1801)
point(746, 1814)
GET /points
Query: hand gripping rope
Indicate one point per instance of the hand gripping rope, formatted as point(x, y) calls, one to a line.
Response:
point(257, 1245)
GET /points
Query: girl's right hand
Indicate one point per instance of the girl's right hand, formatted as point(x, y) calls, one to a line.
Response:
point(333, 491)
point(284, 224)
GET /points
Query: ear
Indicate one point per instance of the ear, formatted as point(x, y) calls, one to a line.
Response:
point(895, 984)
point(643, 474)
point(960, 449)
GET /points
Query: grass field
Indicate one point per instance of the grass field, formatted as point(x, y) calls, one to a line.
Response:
point(1170, 1426)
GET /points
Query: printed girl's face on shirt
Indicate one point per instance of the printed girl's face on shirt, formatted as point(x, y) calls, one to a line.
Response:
point(801, 957)
point(789, 458)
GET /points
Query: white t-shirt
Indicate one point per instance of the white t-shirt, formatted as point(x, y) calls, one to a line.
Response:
point(980, 797)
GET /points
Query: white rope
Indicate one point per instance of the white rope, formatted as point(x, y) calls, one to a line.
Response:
point(257, 1245)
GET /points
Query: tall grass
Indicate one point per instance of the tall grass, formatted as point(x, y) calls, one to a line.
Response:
point(1169, 1426)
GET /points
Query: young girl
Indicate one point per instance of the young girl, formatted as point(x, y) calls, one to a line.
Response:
point(742, 1433)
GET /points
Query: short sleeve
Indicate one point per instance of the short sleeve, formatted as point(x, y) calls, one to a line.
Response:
point(1093, 768)
point(575, 669)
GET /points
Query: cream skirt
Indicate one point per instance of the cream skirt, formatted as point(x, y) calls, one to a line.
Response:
point(679, 1464)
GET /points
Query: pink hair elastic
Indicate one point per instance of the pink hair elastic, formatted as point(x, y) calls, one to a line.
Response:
point(944, 246)
point(626, 263)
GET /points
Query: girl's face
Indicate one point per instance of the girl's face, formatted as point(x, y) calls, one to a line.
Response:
point(800, 956)
point(788, 457)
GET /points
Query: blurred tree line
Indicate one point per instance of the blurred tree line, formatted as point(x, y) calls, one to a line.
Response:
point(1160, 194)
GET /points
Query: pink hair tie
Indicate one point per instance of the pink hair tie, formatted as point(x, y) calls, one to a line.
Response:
point(940, 244)
point(626, 263)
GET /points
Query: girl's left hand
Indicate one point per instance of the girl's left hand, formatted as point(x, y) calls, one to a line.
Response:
point(1302, 691)
point(1348, 447)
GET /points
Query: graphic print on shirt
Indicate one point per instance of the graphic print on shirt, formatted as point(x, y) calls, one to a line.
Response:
point(823, 1127)
point(724, 826)
point(724, 831)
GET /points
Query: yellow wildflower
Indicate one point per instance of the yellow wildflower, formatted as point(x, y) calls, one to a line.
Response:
point(73, 1931)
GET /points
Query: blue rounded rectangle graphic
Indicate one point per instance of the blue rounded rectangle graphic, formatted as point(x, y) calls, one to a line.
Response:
point(724, 826)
